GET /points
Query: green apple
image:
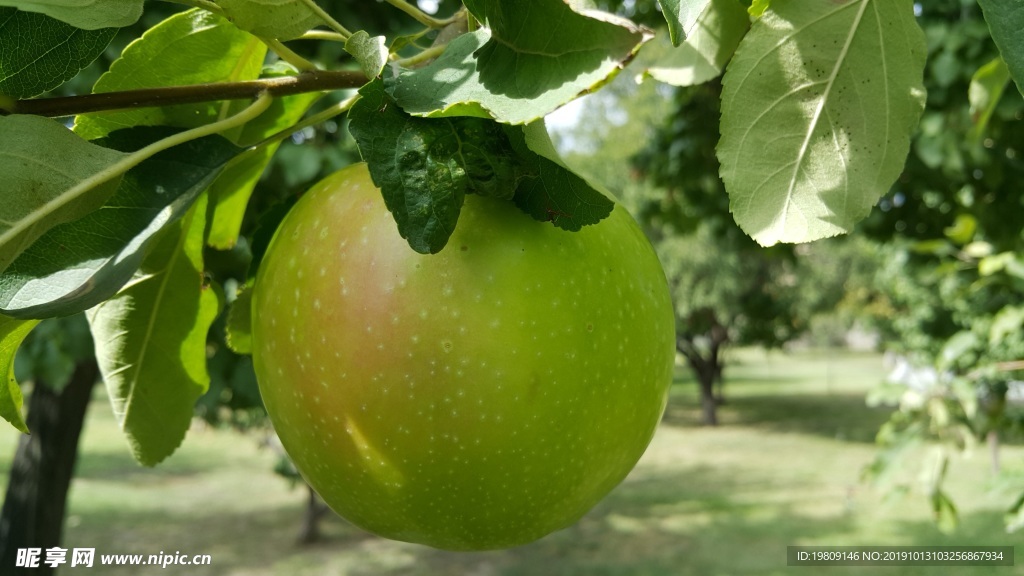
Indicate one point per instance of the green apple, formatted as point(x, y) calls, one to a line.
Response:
point(477, 398)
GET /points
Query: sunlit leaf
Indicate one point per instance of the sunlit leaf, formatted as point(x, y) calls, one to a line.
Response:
point(533, 58)
point(84, 14)
point(192, 47)
point(239, 322)
point(151, 341)
point(280, 19)
point(681, 16)
point(230, 193)
point(818, 106)
point(12, 332)
point(707, 48)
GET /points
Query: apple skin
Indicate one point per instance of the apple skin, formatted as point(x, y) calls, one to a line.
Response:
point(477, 398)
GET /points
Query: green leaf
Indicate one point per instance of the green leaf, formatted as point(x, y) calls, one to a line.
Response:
point(962, 230)
point(1009, 320)
point(192, 47)
point(52, 351)
point(280, 19)
point(818, 106)
point(1006, 20)
point(531, 61)
point(78, 264)
point(1015, 515)
point(707, 49)
point(424, 167)
point(757, 8)
point(43, 165)
point(84, 14)
point(238, 329)
point(957, 346)
point(12, 332)
point(38, 53)
point(547, 190)
point(371, 53)
point(151, 340)
point(230, 193)
point(681, 16)
point(987, 86)
point(946, 517)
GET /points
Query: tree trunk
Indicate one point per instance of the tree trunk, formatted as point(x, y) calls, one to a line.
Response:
point(708, 371)
point(708, 402)
point(993, 448)
point(704, 369)
point(33, 510)
point(315, 510)
point(720, 381)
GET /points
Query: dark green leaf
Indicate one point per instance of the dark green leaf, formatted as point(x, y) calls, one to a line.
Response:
point(38, 53)
point(425, 167)
point(533, 59)
point(79, 264)
point(84, 14)
point(45, 169)
point(681, 16)
point(12, 332)
point(1006, 21)
point(547, 190)
point(151, 340)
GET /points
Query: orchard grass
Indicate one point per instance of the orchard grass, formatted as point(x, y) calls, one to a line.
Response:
point(782, 469)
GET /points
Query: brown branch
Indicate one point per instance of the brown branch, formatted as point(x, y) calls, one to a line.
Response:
point(317, 81)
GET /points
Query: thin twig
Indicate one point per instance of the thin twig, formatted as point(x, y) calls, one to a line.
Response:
point(322, 35)
point(313, 120)
point(327, 18)
point(420, 16)
point(169, 95)
point(286, 54)
point(428, 54)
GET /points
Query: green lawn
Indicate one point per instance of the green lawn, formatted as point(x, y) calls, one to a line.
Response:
point(782, 470)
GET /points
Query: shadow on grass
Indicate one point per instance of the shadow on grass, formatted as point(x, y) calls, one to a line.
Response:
point(239, 540)
point(843, 417)
point(120, 466)
point(693, 521)
point(663, 525)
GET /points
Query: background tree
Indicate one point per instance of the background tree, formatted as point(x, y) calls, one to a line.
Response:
point(951, 281)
